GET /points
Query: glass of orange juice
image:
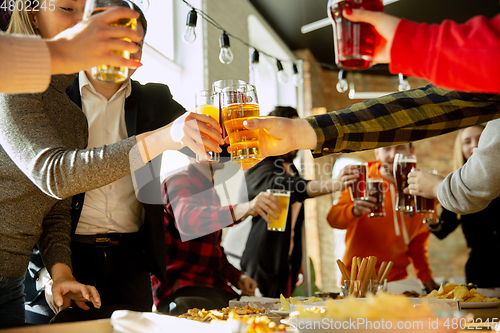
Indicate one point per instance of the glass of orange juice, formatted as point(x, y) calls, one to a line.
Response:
point(284, 199)
point(207, 103)
point(239, 103)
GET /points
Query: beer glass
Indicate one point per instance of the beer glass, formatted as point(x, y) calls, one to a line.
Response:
point(403, 164)
point(218, 86)
point(284, 199)
point(105, 72)
point(376, 189)
point(354, 42)
point(239, 103)
point(207, 103)
point(424, 205)
point(359, 189)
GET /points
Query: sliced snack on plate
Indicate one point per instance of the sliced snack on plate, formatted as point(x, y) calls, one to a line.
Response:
point(455, 291)
point(209, 315)
point(285, 304)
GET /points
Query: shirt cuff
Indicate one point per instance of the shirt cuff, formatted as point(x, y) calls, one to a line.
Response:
point(327, 133)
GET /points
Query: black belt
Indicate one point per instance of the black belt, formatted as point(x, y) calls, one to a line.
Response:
point(107, 240)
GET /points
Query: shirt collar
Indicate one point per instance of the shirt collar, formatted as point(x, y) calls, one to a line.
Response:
point(84, 81)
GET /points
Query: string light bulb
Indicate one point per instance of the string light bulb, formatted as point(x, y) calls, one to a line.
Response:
point(225, 55)
point(282, 75)
point(255, 58)
point(296, 77)
point(189, 35)
point(342, 84)
point(403, 83)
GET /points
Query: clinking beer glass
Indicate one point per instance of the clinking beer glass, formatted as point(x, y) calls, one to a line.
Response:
point(218, 86)
point(359, 189)
point(239, 103)
point(105, 72)
point(376, 189)
point(354, 41)
point(425, 205)
point(207, 102)
point(403, 164)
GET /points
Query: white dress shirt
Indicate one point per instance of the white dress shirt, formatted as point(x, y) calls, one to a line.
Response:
point(114, 207)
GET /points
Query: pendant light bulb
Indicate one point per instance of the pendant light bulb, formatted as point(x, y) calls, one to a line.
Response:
point(225, 55)
point(282, 75)
point(189, 35)
point(296, 77)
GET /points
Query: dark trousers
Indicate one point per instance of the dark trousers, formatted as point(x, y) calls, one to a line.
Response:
point(118, 272)
point(195, 297)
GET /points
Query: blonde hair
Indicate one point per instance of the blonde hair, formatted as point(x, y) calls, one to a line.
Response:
point(20, 22)
point(458, 155)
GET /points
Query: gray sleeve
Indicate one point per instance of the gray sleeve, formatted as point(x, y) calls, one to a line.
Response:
point(472, 187)
point(32, 141)
point(55, 238)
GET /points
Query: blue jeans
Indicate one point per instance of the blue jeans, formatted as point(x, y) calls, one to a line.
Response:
point(11, 300)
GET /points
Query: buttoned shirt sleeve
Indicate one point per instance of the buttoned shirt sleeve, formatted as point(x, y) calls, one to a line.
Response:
point(401, 117)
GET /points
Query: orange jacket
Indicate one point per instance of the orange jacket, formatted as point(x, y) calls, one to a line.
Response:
point(378, 236)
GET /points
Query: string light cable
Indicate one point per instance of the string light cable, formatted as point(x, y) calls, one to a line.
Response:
point(214, 23)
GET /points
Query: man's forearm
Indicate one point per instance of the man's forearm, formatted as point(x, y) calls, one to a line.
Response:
point(319, 187)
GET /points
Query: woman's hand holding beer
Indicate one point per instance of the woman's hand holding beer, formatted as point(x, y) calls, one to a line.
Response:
point(424, 184)
point(91, 42)
point(384, 24)
point(278, 136)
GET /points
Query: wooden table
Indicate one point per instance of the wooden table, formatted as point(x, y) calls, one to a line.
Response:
point(104, 325)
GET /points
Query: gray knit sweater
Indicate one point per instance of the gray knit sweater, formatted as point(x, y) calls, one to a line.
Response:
point(43, 159)
point(472, 187)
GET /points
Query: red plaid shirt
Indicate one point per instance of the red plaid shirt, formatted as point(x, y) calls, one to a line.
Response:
point(201, 261)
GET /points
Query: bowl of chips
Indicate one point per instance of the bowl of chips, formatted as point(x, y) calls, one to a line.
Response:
point(380, 313)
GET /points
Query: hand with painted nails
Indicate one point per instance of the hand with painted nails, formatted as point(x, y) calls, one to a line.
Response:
point(384, 24)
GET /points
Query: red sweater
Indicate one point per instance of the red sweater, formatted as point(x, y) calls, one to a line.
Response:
point(461, 57)
point(377, 237)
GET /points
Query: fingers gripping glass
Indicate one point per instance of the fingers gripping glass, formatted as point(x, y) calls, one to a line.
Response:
point(207, 103)
point(109, 73)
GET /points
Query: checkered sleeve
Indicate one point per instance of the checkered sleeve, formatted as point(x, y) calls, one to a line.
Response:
point(196, 213)
point(401, 117)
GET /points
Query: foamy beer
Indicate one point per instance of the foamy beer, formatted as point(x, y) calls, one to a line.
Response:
point(376, 189)
point(359, 189)
point(402, 167)
point(218, 86)
point(283, 197)
point(109, 73)
point(239, 103)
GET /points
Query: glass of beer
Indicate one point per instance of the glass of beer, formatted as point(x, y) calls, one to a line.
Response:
point(359, 189)
point(403, 164)
point(354, 42)
point(284, 199)
point(105, 72)
point(376, 189)
point(207, 103)
point(239, 103)
point(424, 205)
point(218, 86)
